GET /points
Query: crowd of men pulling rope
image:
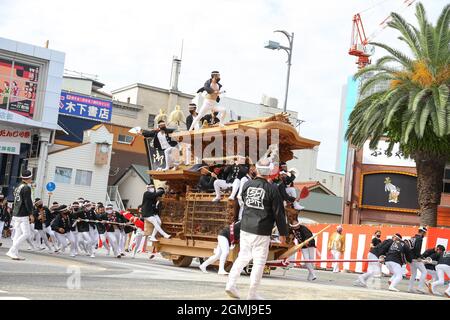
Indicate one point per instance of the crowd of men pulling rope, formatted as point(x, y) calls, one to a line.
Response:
point(83, 224)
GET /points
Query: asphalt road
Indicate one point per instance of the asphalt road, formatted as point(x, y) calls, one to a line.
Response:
point(58, 276)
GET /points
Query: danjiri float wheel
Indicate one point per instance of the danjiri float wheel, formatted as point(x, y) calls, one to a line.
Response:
point(182, 261)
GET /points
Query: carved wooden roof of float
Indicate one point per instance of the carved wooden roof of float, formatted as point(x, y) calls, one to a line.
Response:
point(288, 135)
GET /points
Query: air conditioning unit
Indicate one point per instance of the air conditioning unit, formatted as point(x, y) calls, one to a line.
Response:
point(269, 101)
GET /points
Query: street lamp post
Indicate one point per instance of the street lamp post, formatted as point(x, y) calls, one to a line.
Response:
point(273, 45)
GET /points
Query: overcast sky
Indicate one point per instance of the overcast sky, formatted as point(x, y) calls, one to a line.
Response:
point(131, 41)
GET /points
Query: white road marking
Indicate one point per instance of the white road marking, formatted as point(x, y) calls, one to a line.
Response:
point(14, 298)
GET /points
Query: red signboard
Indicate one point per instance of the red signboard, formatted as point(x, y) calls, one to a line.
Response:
point(15, 135)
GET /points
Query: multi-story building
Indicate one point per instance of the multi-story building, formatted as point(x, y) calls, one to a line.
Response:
point(30, 88)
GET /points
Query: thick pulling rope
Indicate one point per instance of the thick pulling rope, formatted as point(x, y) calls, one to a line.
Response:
point(285, 263)
point(103, 222)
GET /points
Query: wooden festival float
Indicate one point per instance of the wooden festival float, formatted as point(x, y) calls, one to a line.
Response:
point(190, 216)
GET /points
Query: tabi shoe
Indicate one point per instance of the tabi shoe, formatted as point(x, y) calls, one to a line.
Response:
point(222, 273)
point(73, 255)
point(447, 293)
point(231, 198)
point(119, 256)
point(391, 288)
point(203, 268)
point(298, 207)
point(168, 236)
point(12, 256)
point(421, 291)
point(430, 288)
point(216, 199)
point(359, 283)
point(254, 296)
point(233, 292)
point(311, 277)
point(93, 255)
point(153, 239)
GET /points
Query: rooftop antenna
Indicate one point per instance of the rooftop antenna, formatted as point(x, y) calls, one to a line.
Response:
point(182, 46)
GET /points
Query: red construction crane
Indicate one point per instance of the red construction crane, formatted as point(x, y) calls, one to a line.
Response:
point(359, 46)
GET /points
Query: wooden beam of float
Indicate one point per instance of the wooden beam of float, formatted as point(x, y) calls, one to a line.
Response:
point(289, 138)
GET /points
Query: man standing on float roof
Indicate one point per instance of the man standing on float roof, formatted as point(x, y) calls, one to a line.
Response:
point(212, 87)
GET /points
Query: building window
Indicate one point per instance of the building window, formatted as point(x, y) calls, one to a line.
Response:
point(83, 178)
point(63, 175)
point(122, 138)
point(447, 180)
point(151, 121)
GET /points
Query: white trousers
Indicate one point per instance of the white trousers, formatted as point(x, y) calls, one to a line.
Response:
point(2, 224)
point(433, 275)
point(156, 222)
point(93, 233)
point(423, 274)
point(374, 268)
point(241, 208)
point(222, 184)
point(85, 238)
point(397, 272)
point(235, 188)
point(291, 191)
point(32, 238)
point(220, 252)
point(102, 237)
point(66, 239)
point(113, 243)
point(308, 254)
point(336, 255)
point(137, 242)
point(51, 233)
point(22, 232)
point(171, 159)
point(254, 247)
point(122, 240)
point(44, 237)
point(441, 271)
point(207, 107)
point(75, 243)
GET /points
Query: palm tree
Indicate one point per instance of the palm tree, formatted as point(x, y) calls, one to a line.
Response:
point(413, 109)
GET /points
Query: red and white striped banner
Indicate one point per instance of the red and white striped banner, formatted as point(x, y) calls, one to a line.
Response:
point(358, 239)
